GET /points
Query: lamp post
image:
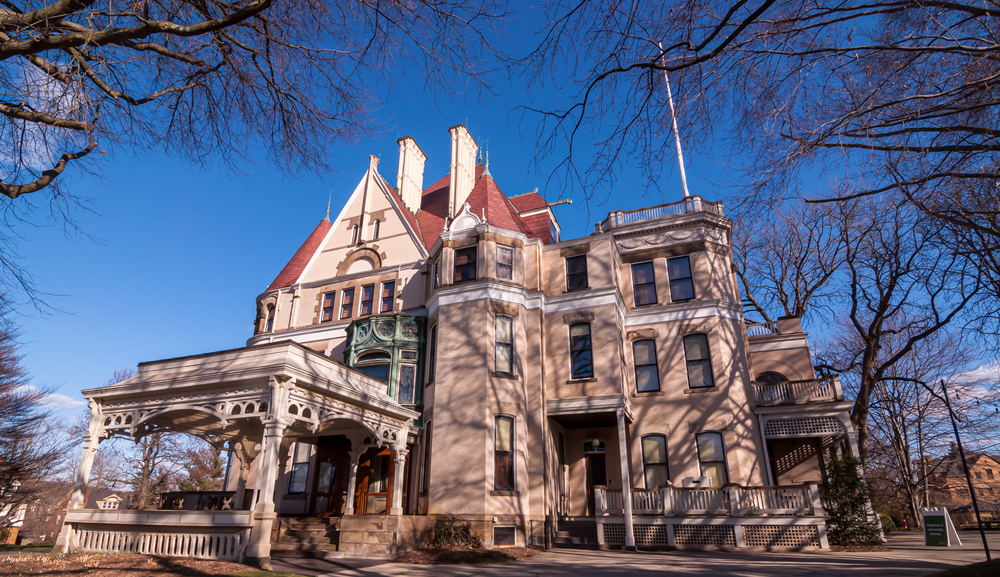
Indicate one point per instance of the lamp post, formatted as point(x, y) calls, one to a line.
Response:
point(965, 465)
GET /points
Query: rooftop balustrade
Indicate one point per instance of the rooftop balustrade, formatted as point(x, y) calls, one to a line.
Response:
point(691, 204)
point(823, 390)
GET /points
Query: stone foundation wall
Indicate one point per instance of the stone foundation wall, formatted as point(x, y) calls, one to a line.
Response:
point(383, 536)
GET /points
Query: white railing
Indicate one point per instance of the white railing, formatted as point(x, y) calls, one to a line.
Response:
point(730, 500)
point(691, 204)
point(762, 329)
point(792, 392)
point(229, 546)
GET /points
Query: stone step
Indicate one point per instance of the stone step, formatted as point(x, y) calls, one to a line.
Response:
point(279, 546)
point(310, 532)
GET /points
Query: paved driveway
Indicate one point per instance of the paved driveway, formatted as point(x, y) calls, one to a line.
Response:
point(908, 556)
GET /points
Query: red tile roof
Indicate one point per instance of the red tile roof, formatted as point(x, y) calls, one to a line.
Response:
point(529, 201)
point(293, 270)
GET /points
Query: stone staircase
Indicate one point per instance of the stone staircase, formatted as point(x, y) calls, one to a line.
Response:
point(314, 537)
point(576, 535)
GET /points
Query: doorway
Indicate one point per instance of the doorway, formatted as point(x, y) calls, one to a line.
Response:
point(330, 480)
point(375, 480)
point(597, 474)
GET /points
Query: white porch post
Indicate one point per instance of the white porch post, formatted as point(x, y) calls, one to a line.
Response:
point(626, 480)
point(352, 479)
point(91, 442)
point(398, 481)
point(245, 453)
point(284, 452)
point(263, 512)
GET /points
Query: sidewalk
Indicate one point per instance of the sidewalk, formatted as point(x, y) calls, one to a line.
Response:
point(907, 557)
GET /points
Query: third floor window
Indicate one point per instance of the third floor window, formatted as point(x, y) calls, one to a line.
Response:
point(576, 273)
point(505, 263)
point(367, 296)
point(388, 296)
point(681, 284)
point(643, 285)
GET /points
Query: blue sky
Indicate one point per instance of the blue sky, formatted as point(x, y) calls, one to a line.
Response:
point(184, 251)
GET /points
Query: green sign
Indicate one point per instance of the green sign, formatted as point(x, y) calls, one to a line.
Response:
point(936, 530)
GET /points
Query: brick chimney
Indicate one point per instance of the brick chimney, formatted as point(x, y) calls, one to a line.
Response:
point(463, 168)
point(410, 175)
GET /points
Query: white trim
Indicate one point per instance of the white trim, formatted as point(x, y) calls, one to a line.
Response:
point(780, 343)
point(686, 310)
point(589, 298)
point(593, 404)
point(325, 331)
point(462, 293)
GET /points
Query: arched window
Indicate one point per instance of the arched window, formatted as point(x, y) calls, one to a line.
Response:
point(269, 323)
point(375, 365)
point(654, 461)
point(770, 377)
point(375, 234)
point(581, 355)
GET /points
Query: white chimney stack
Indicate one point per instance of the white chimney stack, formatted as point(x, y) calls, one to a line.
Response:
point(410, 175)
point(463, 168)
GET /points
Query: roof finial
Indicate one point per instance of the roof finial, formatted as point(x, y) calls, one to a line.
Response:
point(327, 217)
point(487, 148)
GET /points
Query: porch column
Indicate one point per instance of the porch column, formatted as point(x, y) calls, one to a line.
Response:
point(352, 479)
point(279, 486)
point(263, 512)
point(626, 480)
point(245, 453)
point(91, 442)
point(398, 482)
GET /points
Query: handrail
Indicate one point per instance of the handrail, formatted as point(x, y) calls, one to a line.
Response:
point(826, 389)
point(691, 204)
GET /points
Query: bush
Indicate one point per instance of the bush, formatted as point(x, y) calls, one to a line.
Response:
point(452, 533)
point(846, 499)
point(887, 523)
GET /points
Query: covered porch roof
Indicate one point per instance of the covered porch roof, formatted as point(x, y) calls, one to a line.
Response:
point(230, 394)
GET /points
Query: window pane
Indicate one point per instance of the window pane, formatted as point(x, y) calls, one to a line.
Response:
point(645, 295)
point(505, 434)
point(678, 268)
point(681, 290)
point(298, 476)
point(367, 295)
point(302, 451)
point(715, 471)
point(710, 447)
point(580, 330)
point(646, 379)
point(503, 471)
point(504, 359)
point(407, 374)
point(379, 372)
point(656, 475)
point(654, 450)
point(504, 328)
point(347, 304)
point(696, 347)
point(465, 264)
point(642, 273)
point(576, 273)
point(700, 374)
point(576, 264)
point(644, 352)
point(505, 263)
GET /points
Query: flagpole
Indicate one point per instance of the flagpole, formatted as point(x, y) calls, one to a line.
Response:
point(677, 134)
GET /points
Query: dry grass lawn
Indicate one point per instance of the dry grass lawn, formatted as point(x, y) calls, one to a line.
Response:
point(124, 565)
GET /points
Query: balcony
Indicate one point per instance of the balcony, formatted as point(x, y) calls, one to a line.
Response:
point(782, 326)
point(691, 204)
point(823, 390)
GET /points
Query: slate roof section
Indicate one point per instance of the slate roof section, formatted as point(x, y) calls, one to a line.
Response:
point(528, 202)
point(293, 270)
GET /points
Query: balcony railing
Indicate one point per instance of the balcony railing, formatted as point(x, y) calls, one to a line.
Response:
point(796, 392)
point(730, 500)
point(762, 329)
point(688, 205)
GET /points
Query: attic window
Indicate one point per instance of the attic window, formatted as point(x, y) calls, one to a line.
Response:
point(375, 233)
point(355, 236)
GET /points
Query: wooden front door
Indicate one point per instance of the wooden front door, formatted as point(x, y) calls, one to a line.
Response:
point(375, 480)
point(597, 474)
point(330, 477)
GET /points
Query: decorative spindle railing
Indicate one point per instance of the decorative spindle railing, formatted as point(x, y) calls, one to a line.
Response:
point(793, 392)
point(730, 500)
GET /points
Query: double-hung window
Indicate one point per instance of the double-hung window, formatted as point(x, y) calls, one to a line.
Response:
point(712, 458)
point(681, 284)
point(505, 262)
point(388, 296)
point(299, 474)
point(699, 361)
point(504, 340)
point(465, 264)
point(367, 297)
point(643, 285)
point(346, 303)
point(576, 273)
point(581, 355)
point(654, 460)
point(503, 454)
point(647, 377)
point(437, 274)
point(328, 305)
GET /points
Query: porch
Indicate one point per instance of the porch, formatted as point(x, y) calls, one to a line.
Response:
point(731, 516)
point(259, 402)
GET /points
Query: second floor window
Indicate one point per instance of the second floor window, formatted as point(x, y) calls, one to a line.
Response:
point(681, 284)
point(388, 296)
point(328, 306)
point(346, 303)
point(699, 362)
point(465, 264)
point(504, 337)
point(643, 285)
point(269, 324)
point(505, 263)
point(367, 296)
point(576, 273)
point(581, 356)
point(654, 461)
point(503, 454)
point(647, 377)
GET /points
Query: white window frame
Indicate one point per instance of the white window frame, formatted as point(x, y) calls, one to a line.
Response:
point(501, 247)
